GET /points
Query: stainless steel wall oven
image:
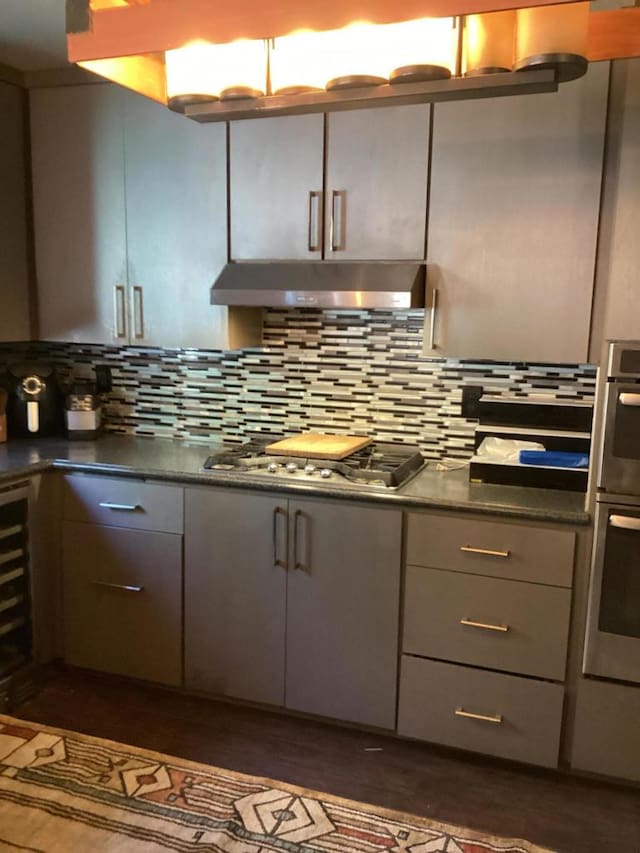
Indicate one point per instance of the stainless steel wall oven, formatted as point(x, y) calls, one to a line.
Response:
point(613, 622)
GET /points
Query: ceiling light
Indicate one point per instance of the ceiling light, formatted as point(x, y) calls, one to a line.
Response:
point(299, 63)
point(553, 37)
point(489, 42)
point(420, 50)
point(201, 72)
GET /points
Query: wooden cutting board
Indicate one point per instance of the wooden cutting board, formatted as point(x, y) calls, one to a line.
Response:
point(318, 446)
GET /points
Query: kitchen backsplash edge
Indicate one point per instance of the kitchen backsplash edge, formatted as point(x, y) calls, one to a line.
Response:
point(361, 372)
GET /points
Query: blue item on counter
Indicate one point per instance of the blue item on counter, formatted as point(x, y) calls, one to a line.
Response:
point(554, 458)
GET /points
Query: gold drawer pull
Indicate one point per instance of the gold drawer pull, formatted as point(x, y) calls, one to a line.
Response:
point(471, 624)
point(121, 586)
point(485, 551)
point(460, 712)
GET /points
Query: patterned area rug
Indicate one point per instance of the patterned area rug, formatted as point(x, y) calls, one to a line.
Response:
point(61, 791)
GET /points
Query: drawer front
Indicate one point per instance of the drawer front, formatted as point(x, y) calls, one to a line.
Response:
point(499, 624)
point(123, 601)
point(123, 503)
point(488, 548)
point(502, 715)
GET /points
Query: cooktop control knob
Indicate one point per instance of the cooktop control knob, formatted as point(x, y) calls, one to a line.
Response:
point(291, 467)
point(325, 472)
point(272, 467)
point(309, 469)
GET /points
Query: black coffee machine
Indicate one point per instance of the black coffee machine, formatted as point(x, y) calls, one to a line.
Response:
point(35, 407)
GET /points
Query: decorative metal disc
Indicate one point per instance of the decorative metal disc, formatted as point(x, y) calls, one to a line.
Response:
point(354, 81)
point(178, 102)
point(419, 74)
point(568, 66)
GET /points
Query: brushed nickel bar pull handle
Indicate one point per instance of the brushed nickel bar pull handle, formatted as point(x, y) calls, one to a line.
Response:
point(299, 564)
point(336, 228)
point(624, 522)
point(314, 195)
point(432, 322)
point(276, 560)
point(121, 586)
point(120, 507)
point(628, 399)
point(138, 312)
point(120, 311)
point(485, 718)
point(467, 549)
point(487, 627)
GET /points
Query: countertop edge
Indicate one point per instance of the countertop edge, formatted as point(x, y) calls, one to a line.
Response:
point(395, 499)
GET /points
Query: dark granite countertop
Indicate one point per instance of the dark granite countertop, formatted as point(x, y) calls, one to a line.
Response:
point(181, 462)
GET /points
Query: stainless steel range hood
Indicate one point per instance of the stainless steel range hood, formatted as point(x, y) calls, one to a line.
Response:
point(321, 284)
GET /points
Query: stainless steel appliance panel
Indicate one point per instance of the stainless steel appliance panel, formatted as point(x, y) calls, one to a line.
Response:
point(620, 470)
point(613, 622)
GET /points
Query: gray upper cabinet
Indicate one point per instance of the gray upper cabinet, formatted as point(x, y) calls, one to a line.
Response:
point(276, 188)
point(176, 197)
point(617, 308)
point(79, 212)
point(376, 184)
point(513, 223)
point(130, 222)
point(14, 284)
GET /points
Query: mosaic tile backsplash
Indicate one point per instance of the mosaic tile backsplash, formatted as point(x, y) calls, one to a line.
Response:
point(329, 371)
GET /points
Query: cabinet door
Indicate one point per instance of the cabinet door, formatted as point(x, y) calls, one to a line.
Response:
point(176, 200)
point(619, 249)
point(276, 188)
point(342, 611)
point(79, 213)
point(123, 601)
point(235, 593)
point(14, 285)
point(513, 223)
point(377, 183)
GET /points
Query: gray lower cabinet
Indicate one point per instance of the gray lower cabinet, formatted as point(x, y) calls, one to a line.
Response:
point(343, 598)
point(487, 622)
point(513, 223)
point(235, 594)
point(486, 603)
point(481, 711)
point(123, 601)
point(14, 280)
point(293, 603)
point(606, 734)
point(122, 576)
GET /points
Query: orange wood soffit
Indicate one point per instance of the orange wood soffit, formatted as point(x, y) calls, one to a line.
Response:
point(614, 34)
point(147, 27)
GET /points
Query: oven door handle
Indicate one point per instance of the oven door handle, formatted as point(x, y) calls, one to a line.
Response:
point(628, 399)
point(625, 522)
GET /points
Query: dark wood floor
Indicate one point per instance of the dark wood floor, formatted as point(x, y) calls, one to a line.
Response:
point(556, 810)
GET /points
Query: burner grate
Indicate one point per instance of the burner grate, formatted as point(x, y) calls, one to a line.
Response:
point(377, 464)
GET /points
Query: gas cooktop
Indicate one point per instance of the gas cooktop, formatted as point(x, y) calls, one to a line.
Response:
point(378, 465)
